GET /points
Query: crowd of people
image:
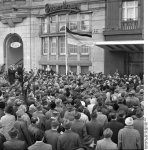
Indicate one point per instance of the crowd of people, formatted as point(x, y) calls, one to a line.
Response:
point(47, 111)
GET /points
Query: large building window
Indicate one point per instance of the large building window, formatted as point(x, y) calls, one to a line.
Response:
point(45, 43)
point(53, 46)
point(73, 49)
point(85, 22)
point(85, 50)
point(62, 45)
point(62, 21)
point(44, 25)
point(53, 24)
point(73, 22)
point(129, 10)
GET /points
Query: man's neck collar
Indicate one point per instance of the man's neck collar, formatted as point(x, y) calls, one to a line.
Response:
point(39, 141)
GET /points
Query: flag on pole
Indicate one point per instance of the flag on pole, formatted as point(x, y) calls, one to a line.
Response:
point(79, 39)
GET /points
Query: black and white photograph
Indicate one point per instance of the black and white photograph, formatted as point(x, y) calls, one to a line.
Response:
point(72, 75)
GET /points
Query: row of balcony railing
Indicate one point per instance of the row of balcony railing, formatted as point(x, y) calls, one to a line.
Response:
point(125, 26)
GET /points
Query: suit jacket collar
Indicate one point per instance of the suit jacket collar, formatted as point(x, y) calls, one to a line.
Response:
point(39, 143)
point(67, 131)
point(129, 127)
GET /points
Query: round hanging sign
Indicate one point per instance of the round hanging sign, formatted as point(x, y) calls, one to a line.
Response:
point(15, 45)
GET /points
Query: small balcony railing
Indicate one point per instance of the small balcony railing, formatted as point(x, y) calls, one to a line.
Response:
point(129, 25)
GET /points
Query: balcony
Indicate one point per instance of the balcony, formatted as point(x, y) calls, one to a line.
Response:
point(129, 25)
point(125, 30)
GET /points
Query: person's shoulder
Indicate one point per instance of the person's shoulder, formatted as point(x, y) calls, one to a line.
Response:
point(6, 143)
point(135, 131)
point(48, 131)
point(122, 130)
point(119, 123)
point(100, 141)
point(89, 123)
point(74, 134)
point(16, 142)
point(48, 145)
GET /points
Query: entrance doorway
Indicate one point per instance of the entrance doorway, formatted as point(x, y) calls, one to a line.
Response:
point(13, 50)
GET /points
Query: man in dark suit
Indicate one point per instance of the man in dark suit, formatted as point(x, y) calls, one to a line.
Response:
point(68, 140)
point(79, 127)
point(21, 126)
point(94, 127)
point(51, 136)
point(2, 107)
point(20, 73)
point(115, 126)
point(14, 143)
point(11, 74)
point(39, 144)
point(2, 140)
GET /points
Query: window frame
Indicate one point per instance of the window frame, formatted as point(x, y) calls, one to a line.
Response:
point(73, 47)
point(45, 22)
point(125, 9)
point(61, 22)
point(53, 53)
point(61, 53)
point(88, 20)
point(51, 24)
point(43, 45)
point(82, 53)
point(71, 20)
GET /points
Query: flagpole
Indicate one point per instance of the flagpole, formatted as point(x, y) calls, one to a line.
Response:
point(66, 50)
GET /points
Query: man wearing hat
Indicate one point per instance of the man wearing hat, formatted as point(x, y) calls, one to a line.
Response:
point(14, 143)
point(140, 95)
point(121, 105)
point(68, 140)
point(128, 137)
point(21, 126)
point(132, 100)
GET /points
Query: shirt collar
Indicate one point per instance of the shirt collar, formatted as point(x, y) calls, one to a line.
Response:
point(130, 127)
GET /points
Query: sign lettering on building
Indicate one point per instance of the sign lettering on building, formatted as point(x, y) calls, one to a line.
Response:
point(50, 9)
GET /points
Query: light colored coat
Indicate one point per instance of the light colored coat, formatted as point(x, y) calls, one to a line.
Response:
point(7, 122)
point(129, 138)
point(106, 144)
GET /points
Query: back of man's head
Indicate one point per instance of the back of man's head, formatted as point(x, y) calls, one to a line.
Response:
point(54, 124)
point(39, 135)
point(94, 115)
point(112, 115)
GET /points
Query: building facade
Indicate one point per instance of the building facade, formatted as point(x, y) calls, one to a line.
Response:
point(33, 32)
point(124, 35)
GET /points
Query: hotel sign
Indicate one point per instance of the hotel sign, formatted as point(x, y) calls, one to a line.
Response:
point(15, 45)
point(50, 9)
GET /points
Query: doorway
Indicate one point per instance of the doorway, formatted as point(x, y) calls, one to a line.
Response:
point(13, 50)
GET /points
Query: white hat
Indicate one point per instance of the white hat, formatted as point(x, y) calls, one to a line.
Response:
point(129, 121)
point(83, 103)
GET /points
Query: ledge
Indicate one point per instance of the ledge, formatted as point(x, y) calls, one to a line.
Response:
point(122, 32)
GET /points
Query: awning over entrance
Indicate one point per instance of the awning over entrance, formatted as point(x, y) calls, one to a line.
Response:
point(129, 46)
